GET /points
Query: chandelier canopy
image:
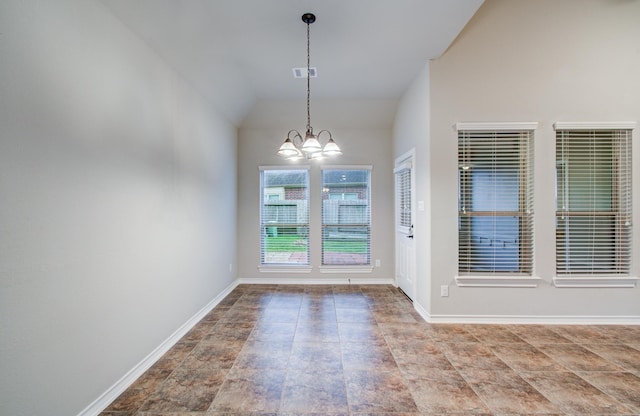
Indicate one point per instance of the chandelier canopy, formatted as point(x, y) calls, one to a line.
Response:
point(295, 146)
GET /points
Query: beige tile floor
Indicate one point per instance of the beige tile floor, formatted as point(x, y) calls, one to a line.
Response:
point(362, 350)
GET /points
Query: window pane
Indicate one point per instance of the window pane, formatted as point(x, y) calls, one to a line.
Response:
point(285, 245)
point(586, 244)
point(346, 217)
point(345, 245)
point(285, 217)
point(593, 209)
point(586, 176)
point(493, 244)
point(403, 189)
point(495, 191)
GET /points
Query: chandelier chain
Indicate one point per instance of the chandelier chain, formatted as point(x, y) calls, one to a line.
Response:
point(308, 79)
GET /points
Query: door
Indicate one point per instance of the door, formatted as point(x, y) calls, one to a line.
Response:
point(404, 220)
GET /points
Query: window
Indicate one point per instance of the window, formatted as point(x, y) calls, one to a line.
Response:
point(495, 192)
point(593, 201)
point(284, 217)
point(403, 197)
point(346, 216)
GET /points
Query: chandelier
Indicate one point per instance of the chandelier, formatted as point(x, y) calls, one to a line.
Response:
point(294, 146)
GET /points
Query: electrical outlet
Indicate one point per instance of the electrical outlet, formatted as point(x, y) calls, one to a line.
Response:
point(377, 262)
point(230, 267)
point(444, 291)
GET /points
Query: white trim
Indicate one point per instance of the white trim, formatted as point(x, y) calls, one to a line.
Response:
point(314, 281)
point(604, 125)
point(604, 282)
point(421, 311)
point(346, 269)
point(405, 160)
point(528, 125)
point(497, 281)
point(535, 319)
point(112, 393)
point(284, 269)
point(403, 166)
point(346, 167)
point(285, 167)
point(526, 319)
point(410, 154)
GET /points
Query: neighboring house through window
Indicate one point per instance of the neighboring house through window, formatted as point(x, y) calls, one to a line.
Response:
point(284, 216)
point(346, 216)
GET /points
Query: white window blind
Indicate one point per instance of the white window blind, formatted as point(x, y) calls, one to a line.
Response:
point(495, 212)
point(284, 216)
point(593, 202)
point(403, 189)
point(346, 222)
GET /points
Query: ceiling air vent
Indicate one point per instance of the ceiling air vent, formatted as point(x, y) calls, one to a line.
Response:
point(302, 72)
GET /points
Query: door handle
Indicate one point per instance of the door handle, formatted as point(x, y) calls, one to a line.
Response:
point(410, 235)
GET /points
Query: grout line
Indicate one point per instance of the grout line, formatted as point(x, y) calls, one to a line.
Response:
point(372, 298)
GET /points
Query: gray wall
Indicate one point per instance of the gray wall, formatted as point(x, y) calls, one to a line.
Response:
point(363, 130)
point(542, 61)
point(117, 221)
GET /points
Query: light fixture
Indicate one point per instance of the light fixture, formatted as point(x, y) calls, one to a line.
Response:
point(295, 147)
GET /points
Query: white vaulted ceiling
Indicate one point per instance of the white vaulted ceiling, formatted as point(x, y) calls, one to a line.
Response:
point(236, 52)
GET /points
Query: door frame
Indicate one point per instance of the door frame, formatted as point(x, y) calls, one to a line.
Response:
point(407, 157)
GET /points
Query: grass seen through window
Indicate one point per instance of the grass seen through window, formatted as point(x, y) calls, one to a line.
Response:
point(296, 243)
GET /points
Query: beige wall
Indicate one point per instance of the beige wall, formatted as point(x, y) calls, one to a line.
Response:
point(542, 61)
point(411, 132)
point(117, 221)
point(362, 130)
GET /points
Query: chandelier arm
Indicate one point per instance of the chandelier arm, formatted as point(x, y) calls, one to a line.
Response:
point(297, 139)
point(324, 131)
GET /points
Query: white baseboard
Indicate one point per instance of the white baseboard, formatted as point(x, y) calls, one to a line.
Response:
point(121, 385)
point(356, 280)
point(421, 311)
point(545, 320)
point(526, 320)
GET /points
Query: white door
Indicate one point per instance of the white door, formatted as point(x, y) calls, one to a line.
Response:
point(404, 218)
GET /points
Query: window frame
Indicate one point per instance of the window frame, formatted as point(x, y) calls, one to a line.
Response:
point(351, 268)
point(525, 278)
point(604, 279)
point(275, 267)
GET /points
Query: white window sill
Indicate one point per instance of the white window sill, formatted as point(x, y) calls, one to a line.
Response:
point(584, 281)
point(346, 269)
point(279, 268)
point(497, 281)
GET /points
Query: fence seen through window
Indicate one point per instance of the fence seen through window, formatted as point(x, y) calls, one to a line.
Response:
point(346, 217)
point(284, 217)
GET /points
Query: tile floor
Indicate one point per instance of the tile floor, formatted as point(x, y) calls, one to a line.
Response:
point(363, 350)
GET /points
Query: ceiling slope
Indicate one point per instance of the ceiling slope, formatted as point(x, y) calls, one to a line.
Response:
point(236, 52)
